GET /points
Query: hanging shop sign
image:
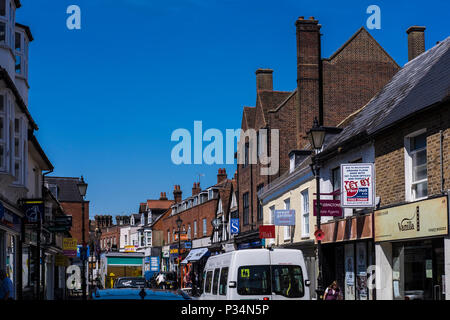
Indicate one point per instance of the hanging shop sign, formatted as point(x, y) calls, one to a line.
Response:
point(420, 219)
point(34, 210)
point(70, 247)
point(284, 218)
point(357, 185)
point(267, 232)
point(234, 226)
point(329, 208)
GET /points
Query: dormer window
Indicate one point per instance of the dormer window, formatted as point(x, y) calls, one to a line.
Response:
point(195, 201)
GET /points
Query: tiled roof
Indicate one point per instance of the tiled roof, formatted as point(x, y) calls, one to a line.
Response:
point(67, 188)
point(159, 204)
point(422, 82)
point(270, 100)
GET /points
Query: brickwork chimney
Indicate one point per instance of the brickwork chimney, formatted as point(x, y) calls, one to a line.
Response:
point(416, 41)
point(264, 80)
point(308, 74)
point(177, 194)
point(196, 188)
point(221, 175)
point(163, 196)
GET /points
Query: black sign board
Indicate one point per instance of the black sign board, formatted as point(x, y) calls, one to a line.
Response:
point(34, 210)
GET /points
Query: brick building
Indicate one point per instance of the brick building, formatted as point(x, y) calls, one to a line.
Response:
point(405, 130)
point(66, 191)
point(196, 212)
point(348, 80)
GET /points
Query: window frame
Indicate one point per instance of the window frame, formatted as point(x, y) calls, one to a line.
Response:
point(287, 229)
point(245, 208)
point(409, 165)
point(305, 213)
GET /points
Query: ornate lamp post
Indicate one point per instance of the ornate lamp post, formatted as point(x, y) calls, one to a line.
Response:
point(179, 222)
point(317, 136)
point(82, 187)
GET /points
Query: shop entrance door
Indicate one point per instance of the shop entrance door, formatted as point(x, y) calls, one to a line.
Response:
point(418, 269)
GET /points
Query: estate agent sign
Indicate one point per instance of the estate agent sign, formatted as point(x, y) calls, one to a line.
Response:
point(420, 219)
point(357, 185)
point(284, 217)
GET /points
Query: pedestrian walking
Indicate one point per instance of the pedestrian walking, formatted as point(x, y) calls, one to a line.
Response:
point(333, 292)
point(6, 286)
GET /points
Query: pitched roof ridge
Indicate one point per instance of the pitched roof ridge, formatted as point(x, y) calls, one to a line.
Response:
point(284, 101)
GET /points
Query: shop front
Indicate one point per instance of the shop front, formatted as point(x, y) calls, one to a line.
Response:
point(10, 228)
point(410, 241)
point(347, 254)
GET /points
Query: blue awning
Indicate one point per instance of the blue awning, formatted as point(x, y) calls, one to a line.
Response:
point(195, 255)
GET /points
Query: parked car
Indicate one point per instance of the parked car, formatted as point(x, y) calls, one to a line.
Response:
point(263, 274)
point(139, 294)
point(130, 282)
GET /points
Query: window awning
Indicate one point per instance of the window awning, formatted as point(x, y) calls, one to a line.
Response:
point(195, 255)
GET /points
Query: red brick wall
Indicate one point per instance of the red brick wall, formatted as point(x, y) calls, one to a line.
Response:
point(110, 233)
point(74, 209)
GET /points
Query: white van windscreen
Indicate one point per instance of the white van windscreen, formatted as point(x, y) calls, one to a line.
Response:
point(286, 280)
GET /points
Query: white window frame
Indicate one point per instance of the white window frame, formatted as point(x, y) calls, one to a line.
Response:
point(409, 194)
point(287, 229)
point(195, 228)
point(272, 215)
point(205, 226)
point(305, 213)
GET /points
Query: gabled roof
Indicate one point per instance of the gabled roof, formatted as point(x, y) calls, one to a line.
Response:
point(269, 100)
point(67, 188)
point(249, 115)
point(422, 82)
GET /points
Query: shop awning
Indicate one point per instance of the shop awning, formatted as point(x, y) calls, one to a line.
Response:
point(195, 255)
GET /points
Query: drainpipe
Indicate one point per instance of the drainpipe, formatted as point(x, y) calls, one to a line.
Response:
point(441, 141)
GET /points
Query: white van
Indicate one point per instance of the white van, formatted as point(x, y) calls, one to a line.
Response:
point(256, 274)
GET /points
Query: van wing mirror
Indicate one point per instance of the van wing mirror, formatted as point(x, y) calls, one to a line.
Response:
point(307, 283)
point(232, 284)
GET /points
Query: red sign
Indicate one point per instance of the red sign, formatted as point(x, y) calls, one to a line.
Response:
point(267, 232)
point(329, 208)
point(319, 235)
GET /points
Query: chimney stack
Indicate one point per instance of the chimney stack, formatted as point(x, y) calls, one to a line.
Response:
point(196, 188)
point(416, 41)
point(163, 196)
point(221, 175)
point(309, 62)
point(177, 194)
point(264, 80)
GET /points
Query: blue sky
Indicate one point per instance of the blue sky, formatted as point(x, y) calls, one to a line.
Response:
point(108, 97)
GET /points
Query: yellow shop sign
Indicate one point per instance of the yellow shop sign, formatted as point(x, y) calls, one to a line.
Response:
point(427, 218)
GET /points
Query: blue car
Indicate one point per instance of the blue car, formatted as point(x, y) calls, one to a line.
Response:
point(139, 294)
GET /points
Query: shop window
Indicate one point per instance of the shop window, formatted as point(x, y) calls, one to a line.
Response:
point(416, 179)
point(223, 281)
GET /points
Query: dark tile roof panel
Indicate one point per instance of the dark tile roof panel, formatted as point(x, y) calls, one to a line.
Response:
point(422, 82)
point(67, 188)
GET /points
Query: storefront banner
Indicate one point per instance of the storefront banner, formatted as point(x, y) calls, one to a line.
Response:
point(284, 217)
point(70, 247)
point(357, 185)
point(420, 219)
point(328, 208)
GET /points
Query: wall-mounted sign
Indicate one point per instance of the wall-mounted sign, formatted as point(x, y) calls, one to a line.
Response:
point(130, 249)
point(70, 247)
point(154, 263)
point(420, 219)
point(329, 208)
point(357, 185)
point(267, 232)
point(234, 226)
point(34, 210)
point(284, 217)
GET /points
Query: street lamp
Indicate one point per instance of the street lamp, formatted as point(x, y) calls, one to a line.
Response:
point(82, 187)
point(316, 137)
point(179, 222)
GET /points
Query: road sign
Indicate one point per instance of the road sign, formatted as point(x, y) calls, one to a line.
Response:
point(267, 232)
point(234, 225)
point(328, 208)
